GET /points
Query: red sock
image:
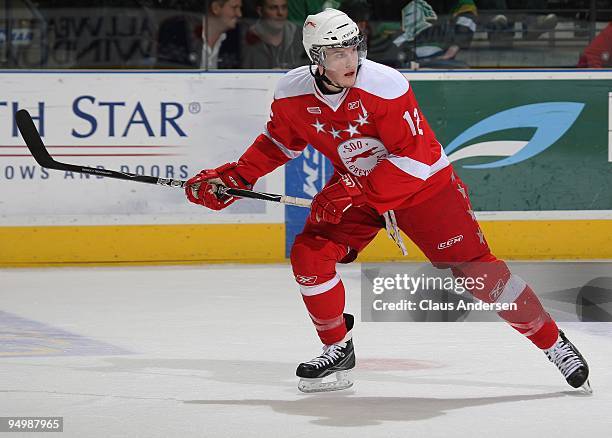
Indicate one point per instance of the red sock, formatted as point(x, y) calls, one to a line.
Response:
point(530, 318)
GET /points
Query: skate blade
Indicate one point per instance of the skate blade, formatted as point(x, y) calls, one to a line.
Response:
point(586, 388)
point(343, 381)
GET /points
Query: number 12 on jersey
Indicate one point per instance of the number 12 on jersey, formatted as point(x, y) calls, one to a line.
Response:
point(417, 118)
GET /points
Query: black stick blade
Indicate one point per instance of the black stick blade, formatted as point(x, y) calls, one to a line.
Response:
point(39, 152)
point(32, 139)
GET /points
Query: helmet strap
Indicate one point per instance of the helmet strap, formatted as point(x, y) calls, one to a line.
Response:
point(321, 79)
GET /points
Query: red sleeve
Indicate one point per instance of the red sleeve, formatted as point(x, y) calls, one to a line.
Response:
point(414, 153)
point(277, 145)
point(598, 53)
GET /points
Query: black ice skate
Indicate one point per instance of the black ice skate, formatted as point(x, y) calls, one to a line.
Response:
point(337, 358)
point(570, 362)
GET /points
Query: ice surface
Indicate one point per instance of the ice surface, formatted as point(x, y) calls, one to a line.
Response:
point(212, 351)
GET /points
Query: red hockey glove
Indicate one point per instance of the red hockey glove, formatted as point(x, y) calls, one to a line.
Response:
point(201, 188)
point(335, 199)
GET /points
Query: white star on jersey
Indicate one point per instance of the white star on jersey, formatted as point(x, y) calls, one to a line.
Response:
point(319, 126)
point(352, 130)
point(480, 236)
point(335, 132)
point(462, 191)
point(363, 119)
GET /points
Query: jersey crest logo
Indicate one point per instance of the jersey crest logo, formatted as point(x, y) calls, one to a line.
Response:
point(353, 105)
point(314, 110)
point(361, 155)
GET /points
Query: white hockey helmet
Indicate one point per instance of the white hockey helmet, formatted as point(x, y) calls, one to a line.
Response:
point(331, 29)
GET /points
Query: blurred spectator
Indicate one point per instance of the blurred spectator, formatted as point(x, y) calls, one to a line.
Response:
point(192, 41)
point(222, 15)
point(598, 53)
point(461, 24)
point(438, 29)
point(273, 41)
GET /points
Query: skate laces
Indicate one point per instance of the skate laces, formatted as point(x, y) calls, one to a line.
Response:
point(564, 357)
point(330, 354)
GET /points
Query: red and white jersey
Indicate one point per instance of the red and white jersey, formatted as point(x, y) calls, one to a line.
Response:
point(374, 130)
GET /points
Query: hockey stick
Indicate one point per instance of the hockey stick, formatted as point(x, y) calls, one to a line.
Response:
point(41, 155)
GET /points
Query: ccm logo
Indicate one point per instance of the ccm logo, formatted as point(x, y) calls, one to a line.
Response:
point(450, 242)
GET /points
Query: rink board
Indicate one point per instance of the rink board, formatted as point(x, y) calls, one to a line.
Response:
point(538, 195)
point(264, 243)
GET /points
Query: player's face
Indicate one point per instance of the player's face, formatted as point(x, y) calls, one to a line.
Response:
point(341, 65)
point(274, 12)
point(230, 12)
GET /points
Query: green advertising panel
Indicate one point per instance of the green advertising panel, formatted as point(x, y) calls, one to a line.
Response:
point(525, 145)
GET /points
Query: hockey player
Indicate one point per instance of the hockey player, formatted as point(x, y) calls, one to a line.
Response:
point(390, 171)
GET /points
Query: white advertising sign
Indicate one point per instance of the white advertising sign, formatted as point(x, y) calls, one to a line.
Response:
point(169, 125)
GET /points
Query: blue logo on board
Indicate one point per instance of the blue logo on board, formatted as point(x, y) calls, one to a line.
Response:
point(551, 120)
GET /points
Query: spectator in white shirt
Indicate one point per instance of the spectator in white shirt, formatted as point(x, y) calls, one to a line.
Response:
point(222, 15)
